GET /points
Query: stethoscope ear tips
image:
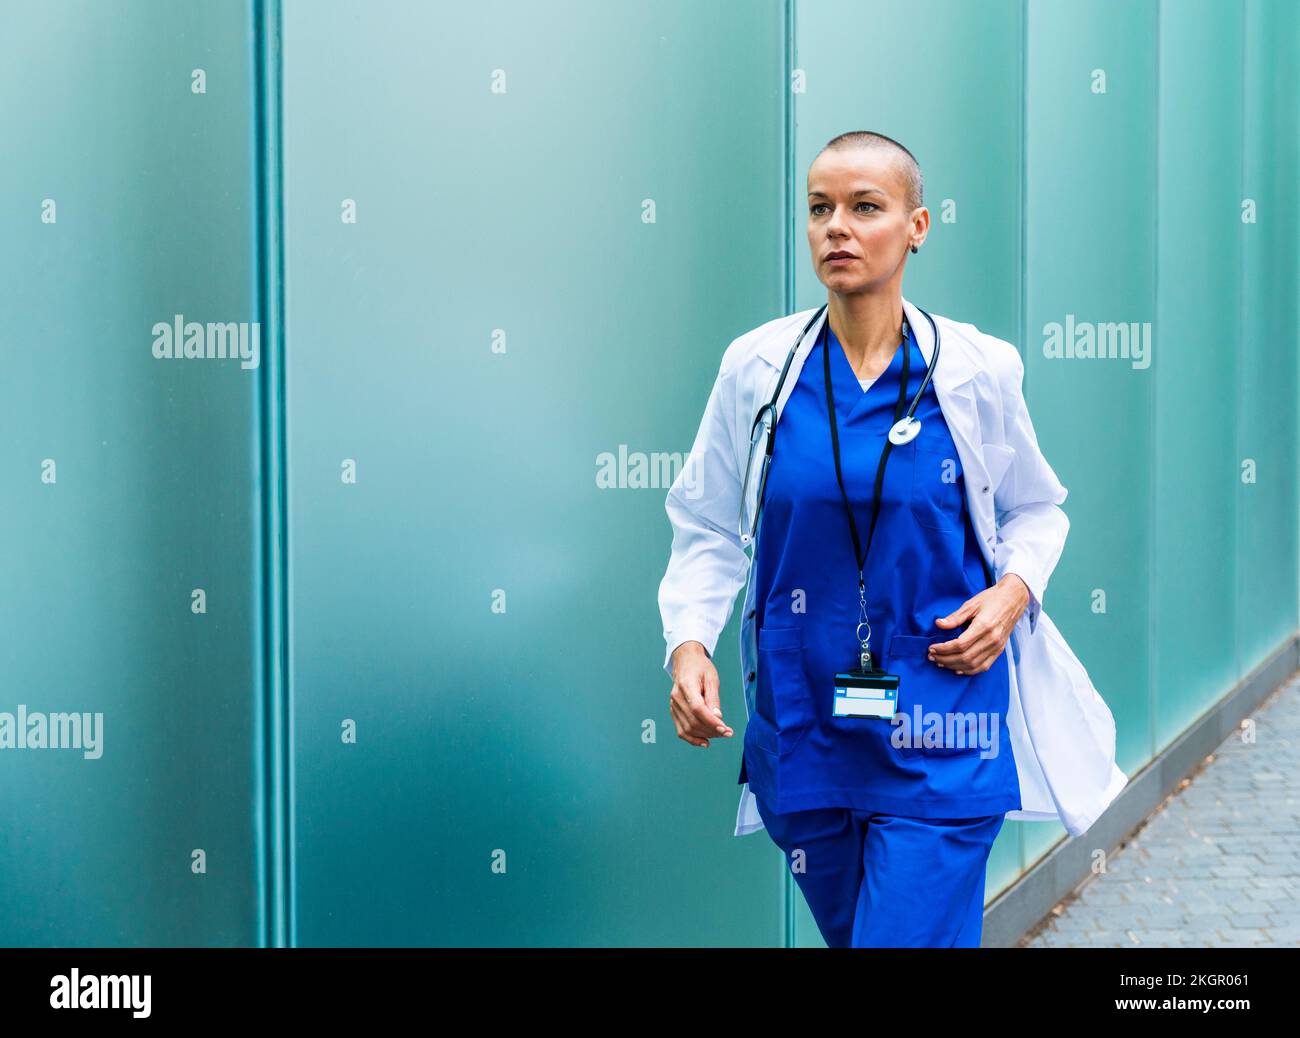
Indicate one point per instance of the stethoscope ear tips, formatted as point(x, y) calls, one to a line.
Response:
point(904, 431)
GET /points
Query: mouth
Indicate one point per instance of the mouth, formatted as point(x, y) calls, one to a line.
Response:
point(832, 256)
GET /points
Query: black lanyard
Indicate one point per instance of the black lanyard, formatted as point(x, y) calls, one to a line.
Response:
point(859, 555)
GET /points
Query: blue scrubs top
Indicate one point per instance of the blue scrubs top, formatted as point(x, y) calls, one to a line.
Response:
point(924, 562)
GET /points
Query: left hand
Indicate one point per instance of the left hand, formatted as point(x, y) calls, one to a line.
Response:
point(993, 614)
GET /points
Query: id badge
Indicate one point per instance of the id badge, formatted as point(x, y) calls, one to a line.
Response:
point(872, 693)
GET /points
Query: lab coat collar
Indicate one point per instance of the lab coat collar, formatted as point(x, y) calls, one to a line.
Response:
point(957, 359)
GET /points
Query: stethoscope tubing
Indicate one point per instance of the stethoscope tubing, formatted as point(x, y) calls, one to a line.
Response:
point(903, 431)
point(785, 370)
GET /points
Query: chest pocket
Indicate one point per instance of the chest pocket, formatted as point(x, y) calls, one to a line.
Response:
point(937, 488)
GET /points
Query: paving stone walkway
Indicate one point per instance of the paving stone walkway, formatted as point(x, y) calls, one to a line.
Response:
point(1217, 865)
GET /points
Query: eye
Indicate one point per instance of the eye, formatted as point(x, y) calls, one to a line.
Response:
point(822, 205)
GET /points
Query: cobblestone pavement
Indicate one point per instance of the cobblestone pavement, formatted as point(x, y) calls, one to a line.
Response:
point(1217, 865)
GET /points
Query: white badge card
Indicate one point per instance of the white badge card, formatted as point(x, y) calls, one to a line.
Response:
point(873, 694)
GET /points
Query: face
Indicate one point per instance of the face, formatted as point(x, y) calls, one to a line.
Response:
point(857, 206)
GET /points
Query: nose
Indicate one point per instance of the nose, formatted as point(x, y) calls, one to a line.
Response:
point(837, 232)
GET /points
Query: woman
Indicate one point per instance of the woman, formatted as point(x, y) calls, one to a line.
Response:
point(890, 731)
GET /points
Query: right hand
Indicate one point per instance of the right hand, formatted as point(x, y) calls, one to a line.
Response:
point(694, 698)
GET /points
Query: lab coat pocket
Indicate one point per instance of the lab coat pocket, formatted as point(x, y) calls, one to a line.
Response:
point(936, 493)
point(938, 694)
point(783, 706)
point(997, 459)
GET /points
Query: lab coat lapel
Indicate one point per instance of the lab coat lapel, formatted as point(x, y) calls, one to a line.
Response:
point(954, 388)
point(777, 348)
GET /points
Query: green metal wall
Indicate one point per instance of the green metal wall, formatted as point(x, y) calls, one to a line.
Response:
point(155, 463)
point(500, 241)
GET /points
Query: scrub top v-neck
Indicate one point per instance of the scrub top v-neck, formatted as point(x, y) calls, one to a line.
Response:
point(924, 562)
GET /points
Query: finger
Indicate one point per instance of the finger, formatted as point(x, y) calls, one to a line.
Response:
point(684, 726)
point(975, 634)
point(997, 645)
point(713, 703)
point(955, 661)
point(979, 657)
point(959, 616)
point(697, 718)
point(690, 728)
point(950, 650)
point(991, 655)
point(682, 718)
point(706, 722)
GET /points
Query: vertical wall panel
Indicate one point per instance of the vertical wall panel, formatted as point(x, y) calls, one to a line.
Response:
point(513, 217)
point(155, 474)
point(1091, 259)
point(959, 113)
point(1269, 329)
point(1198, 345)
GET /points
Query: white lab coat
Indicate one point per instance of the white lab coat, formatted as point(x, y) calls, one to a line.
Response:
point(1062, 733)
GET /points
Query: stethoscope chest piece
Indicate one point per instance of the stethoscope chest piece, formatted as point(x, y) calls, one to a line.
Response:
point(905, 430)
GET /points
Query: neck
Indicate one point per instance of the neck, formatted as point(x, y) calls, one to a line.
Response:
point(869, 328)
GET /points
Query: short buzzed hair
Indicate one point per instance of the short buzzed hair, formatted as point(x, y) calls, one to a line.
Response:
point(911, 169)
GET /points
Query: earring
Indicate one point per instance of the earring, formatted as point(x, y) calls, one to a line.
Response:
point(914, 248)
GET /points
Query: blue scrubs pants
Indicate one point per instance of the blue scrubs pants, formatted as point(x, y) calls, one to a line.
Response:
point(887, 881)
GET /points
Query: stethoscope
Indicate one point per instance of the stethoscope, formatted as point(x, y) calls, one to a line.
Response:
point(763, 430)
